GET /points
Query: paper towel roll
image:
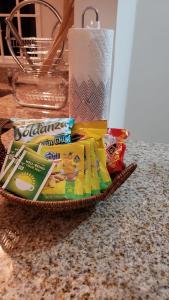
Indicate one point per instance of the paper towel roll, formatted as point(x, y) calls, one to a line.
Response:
point(90, 64)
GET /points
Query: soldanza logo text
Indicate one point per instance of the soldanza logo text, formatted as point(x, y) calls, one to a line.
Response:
point(37, 129)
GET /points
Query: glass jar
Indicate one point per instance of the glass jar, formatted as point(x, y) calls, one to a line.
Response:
point(39, 94)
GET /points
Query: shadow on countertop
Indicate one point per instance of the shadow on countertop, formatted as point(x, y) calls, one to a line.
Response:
point(27, 229)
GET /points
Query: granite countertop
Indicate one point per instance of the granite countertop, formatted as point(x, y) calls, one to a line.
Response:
point(118, 250)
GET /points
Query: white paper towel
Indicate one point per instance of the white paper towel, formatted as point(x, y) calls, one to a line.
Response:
point(90, 63)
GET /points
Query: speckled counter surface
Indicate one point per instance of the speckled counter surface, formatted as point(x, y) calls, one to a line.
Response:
point(119, 250)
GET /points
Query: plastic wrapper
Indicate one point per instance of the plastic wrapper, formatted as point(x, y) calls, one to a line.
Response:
point(87, 188)
point(92, 129)
point(45, 131)
point(115, 147)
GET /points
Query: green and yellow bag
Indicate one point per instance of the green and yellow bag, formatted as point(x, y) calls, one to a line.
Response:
point(95, 185)
point(91, 129)
point(87, 167)
point(67, 178)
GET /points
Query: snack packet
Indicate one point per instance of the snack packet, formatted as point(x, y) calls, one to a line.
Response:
point(13, 148)
point(95, 182)
point(95, 130)
point(119, 134)
point(4, 175)
point(115, 149)
point(29, 175)
point(48, 131)
point(32, 146)
point(67, 178)
point(87, 167)
point(115, 157)
point(91, 129)
point(104, 176)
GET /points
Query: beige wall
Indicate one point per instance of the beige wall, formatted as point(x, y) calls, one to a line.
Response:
point(48, 19)
point(107, 11)
point(125, 26)
point(147, 108)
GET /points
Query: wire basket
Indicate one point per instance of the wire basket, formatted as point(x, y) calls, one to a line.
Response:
point(31, 53)
point(32, 85)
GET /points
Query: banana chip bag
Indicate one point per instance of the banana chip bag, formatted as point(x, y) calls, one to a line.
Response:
point(46, 131)
point(67, 178)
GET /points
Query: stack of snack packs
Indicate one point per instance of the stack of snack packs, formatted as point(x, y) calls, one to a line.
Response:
point(94, 132)
point(111, 141)
point(25, 172)
point(52, 159)
point(13, 154)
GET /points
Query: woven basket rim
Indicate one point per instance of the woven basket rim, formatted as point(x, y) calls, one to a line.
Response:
point(73, 203)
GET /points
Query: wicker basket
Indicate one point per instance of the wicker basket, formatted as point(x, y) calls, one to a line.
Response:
point(62, 205)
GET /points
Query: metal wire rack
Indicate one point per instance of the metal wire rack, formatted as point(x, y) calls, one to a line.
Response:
point(32, 87)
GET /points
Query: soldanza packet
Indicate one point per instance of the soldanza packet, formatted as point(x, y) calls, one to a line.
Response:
point(29, 175)
point(47, 131)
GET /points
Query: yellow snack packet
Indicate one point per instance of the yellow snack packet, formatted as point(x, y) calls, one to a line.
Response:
point(95, 185)
point(105, 179)
point(91, 129)
point(67, 178)
point(87, 167)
